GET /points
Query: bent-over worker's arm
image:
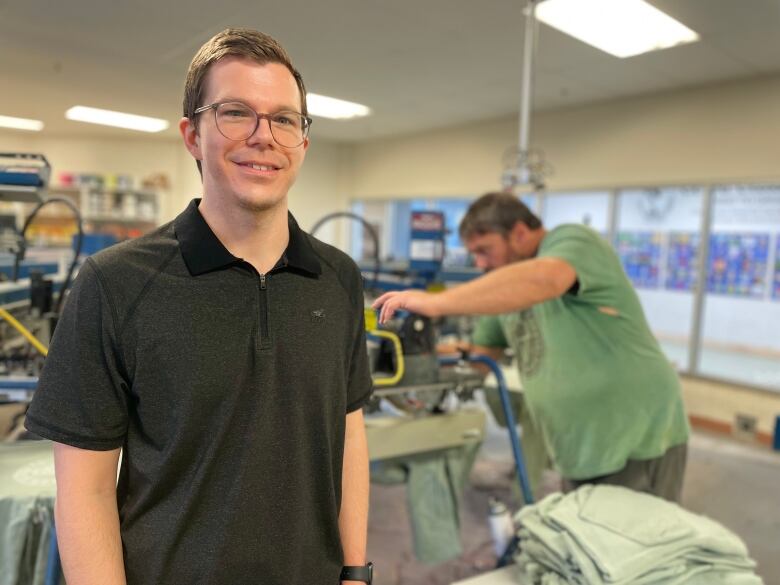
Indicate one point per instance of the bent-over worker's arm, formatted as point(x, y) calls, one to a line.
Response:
point(353, 518)
point(86, 516)
point(455, 349)
point(513, 287)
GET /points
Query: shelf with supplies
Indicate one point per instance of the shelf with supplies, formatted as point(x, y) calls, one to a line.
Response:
point(119, 212)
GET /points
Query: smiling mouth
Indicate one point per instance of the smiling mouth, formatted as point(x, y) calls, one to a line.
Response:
point(259, 167)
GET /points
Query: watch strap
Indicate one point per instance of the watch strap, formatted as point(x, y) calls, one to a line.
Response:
point(362, 573)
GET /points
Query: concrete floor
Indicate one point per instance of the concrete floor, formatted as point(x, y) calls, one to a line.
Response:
point(734, 483)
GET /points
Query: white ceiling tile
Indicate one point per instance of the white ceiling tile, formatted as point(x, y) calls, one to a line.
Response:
point(695, 63)
point(758, 47)
point(621, 78)
point(416, 64)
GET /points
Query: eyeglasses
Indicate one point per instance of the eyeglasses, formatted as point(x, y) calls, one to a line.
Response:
point(237, 121)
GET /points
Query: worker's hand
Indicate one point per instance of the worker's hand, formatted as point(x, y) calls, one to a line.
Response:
point(414, 301)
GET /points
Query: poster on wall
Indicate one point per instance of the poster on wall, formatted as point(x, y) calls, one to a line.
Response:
point(640, 253)
point(737, 264)
point(681, 261)
point(746, 207)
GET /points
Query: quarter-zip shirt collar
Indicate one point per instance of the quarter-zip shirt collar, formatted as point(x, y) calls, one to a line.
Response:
point(203, 252)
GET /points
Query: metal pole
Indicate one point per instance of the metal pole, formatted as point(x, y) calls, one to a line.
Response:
point(526, 93)
point(612, 216)
point(705, 228)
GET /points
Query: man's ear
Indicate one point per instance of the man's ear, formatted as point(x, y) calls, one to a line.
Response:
point(518, 232)
point(189, 134)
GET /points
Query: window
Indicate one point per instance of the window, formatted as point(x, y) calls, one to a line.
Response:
point(376, 213)
point(588, 208)
point(741, 318)
point(657, 239)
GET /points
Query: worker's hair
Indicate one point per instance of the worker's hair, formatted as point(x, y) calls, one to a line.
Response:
point(234, 42)
point(496, 213)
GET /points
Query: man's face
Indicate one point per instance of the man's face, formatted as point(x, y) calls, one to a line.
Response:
point(255, 173)
point(491, 250)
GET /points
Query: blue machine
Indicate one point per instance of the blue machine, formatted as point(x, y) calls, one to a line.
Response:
point(426, 247)
point(24, 170)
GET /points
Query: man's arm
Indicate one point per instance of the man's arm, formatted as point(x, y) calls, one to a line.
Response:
point(510, 288)
point(86, 516)
point(454, 349)
point(353, 519)
point(451, 349)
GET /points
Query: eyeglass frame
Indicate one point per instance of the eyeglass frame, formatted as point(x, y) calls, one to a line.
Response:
point(258, 116)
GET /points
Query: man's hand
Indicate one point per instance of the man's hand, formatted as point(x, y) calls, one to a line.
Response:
point(414, 301)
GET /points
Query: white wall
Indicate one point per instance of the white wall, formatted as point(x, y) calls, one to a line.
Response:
point(190, 185)
point(725, 132)
point(721, 403)
point(323, 187)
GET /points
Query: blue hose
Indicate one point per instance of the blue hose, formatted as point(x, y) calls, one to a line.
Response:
point(53, 564)
point(514, 439)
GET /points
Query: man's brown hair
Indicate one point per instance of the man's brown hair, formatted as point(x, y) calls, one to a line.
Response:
point(235, 42)
point(496, 213)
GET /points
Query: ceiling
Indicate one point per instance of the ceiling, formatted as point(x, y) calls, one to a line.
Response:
point(418, 64)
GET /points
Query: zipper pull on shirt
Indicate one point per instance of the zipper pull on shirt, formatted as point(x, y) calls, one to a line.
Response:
point(262, 282)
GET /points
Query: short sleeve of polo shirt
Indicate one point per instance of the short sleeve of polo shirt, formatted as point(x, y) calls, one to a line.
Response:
point(81, 399)
point(489, 333)
point(359, 385)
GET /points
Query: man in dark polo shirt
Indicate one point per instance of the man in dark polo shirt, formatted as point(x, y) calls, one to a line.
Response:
point(224, 355)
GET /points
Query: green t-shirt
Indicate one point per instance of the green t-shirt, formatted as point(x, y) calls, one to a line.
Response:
point(595, 378)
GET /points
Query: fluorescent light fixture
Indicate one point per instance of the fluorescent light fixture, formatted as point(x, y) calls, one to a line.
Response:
point(328, 107)
point(21, 123)
point(623, 28)
point(117, 119)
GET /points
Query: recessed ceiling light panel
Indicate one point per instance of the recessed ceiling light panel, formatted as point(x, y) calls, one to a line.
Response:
point(328, 107)
point(116, 119)
point(623, 28)
point(21, 123)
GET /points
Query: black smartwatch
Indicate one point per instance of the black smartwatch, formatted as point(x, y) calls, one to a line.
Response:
point(364, 573)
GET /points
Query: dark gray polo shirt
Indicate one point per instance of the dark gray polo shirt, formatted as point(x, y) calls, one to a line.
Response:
point(227, 391)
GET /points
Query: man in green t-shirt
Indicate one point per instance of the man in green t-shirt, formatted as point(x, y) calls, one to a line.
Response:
point(595, 379)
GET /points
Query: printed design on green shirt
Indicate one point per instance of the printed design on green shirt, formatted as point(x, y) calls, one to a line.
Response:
point(526, 341)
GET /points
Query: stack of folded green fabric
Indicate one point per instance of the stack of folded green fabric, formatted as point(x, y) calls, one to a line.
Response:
point(601, 534)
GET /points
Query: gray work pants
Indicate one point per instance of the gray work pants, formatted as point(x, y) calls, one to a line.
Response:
point(662, 476)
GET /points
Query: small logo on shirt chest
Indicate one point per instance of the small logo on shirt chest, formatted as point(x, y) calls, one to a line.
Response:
point(318, 315)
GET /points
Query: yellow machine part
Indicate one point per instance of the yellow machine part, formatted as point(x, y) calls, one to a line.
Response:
point(372, 327)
